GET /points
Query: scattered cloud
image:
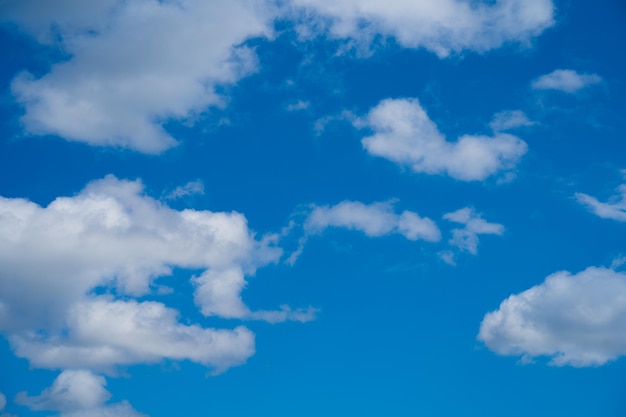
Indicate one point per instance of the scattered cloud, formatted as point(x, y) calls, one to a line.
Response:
point(445, 27)
point(298, 105)
point(565, 80)
point(191, 188)
point(3, 401)
point(404, 134)
point(78, 393)
point(575, 319)
point(615, 209)
point(134, 65)
point(376, 219)
point(508, 120)
point(466, 239)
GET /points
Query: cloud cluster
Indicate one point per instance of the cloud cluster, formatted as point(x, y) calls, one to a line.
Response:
point(78, 393)
point(112, 236)
point(442, 27)
point(134, 64)
point(615, 209)
point(568, 81)
point(575, 319)
point(403, 133)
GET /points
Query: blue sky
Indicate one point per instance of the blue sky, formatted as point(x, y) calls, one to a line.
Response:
point(308, 207)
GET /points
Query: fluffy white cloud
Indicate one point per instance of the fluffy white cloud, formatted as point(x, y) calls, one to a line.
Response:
point(507, 120)
point(78, 393)
point(3, 401)
point(577, 320)
point(102, 333)
point(376, 219)
point(110, 234)
point(615, 209)
point(403, 133)
point(466, 238)
point(443, 27)
point(134, 64)
point(565, 80)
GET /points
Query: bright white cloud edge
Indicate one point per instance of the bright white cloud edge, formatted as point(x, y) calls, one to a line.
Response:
point(442, 27)
point(78, 393)
point(574, 319)
point(403, 133)
point(614, 209)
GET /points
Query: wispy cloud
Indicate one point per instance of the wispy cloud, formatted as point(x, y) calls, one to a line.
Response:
point(466, 239)
point(565, 80)
point(191, 188)
point(508, 120)
point(614, 209)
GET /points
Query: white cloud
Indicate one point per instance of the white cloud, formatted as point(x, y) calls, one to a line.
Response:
point(113, 236)
point(403, 133)
point(191, 188)
point(442, 27)
point(575, 319)
point(110, 234)
point(3, 401)
point(101, 333)
point(615, 209)
point(466, 239)
point(507, 120)
point(298, 105)
point(78, 393)
point(568, 81)
point(134, 65)
point(219, 294)
point(376, 219)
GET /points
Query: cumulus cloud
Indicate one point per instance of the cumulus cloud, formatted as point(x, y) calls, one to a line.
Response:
point(565, 80)
point(3, 401)
point(615, 209)
point(113, 236)
point(134, 65)
point(110, 234)
point(508, 120)
point(575, 319)
point(376, 219)
point(442, 27)
point(78, 393)
point(404, 134)
point(465, 239)
point(102, 333)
